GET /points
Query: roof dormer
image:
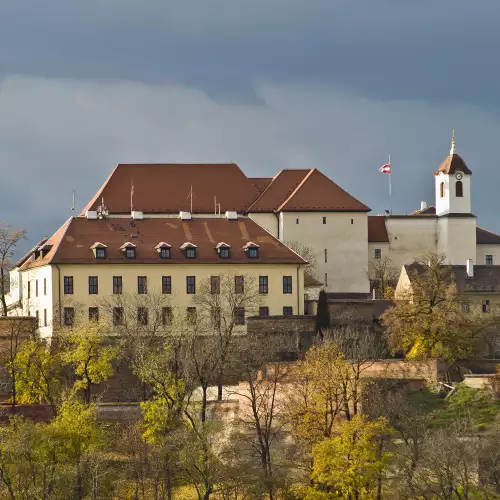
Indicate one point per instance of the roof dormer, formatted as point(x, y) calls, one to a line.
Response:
point(99, 250)
point(252, 250)
point(189, 250)
point(164, 250)
point(129, 249)
point(223, 249)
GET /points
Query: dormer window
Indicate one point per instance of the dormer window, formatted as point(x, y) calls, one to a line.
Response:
point(223, 249)
point(44, 249)
point(252, 250)
point(99, 250)
point(164, 250)
point(129, 249)
point(189, 250)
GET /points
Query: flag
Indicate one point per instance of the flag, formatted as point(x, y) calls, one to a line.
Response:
point(386, 169)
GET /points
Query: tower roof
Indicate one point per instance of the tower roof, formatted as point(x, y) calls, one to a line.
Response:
point(453, 162)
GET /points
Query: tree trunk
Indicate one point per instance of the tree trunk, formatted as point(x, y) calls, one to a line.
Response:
point(2, 291)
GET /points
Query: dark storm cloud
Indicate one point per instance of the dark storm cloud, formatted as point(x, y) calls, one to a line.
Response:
point(426, 50)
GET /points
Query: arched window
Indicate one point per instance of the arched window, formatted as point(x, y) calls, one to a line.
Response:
point(459, 189)
point(441, 190)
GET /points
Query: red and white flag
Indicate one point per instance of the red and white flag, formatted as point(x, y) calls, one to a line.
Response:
point(386, 169)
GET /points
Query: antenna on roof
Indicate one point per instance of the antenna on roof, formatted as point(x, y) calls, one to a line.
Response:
point(191, 196)
point(216, 206)
point(131, 195)
point(73, 204)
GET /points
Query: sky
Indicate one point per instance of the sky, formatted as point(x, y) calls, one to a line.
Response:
point(268, 84)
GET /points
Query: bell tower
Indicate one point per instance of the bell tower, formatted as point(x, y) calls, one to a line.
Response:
point(456, 225)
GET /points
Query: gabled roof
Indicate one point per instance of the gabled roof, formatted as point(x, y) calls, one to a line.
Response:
point(484, 237)
point(28, 254)
point(73, 241)
point(303, 191)
point(165, 188)
point(377, 230)
point(260, 182)
point(453, 163)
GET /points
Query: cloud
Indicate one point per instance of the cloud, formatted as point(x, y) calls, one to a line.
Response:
point(57, 133)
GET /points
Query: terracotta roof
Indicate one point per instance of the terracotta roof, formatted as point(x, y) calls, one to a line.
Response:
point(305, 190)
point(75, 241)
point(377, 230)
point(425, 211)
point(28, 254)
point(164, 188)
point(484, 237)
point(261, 182)
point(452, 164)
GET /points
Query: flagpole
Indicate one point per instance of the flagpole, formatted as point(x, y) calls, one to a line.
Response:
point(390, 185)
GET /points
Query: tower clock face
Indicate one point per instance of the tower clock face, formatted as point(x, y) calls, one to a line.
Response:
point(458, 175)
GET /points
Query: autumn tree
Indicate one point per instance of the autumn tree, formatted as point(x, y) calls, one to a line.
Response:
point(9, 239)
point(383, 276)
point(428, 319)
point(348, 464)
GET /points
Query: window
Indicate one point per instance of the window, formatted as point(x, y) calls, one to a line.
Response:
point(215, 284)
point(377, 253)
point(287, 311)
point(326, 279)
point(239, 317)
point(297, 220)
point(224, 252)
point(164, 253)
point(324, 220)
point(166, 316)
point(287, 284)
point(264, 311)
point(29, 289)
point(352, 221)
point(117, 285)
point(94, 314)
point(93, 290)
point(253, 253)
point(69, 316)
point(263, 284)
point(45, 317)
point(326, 255)
point(130, 252)
point(441, 190)
point(489, 260)
point(486, 306)
point(166, 284)
point(142, 285)
point(239, 285)
point(45, 286)
point(100, 253)
point(142, 315)
point(464, 306)
point(459, 189)
point(37, 320)
point(118, 316)
point(36, 288)
point(190, 253)
point(191, 315)
point(68, 285)
point(190, 284)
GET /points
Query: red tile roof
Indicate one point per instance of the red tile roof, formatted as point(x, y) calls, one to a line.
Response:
point(484, 237)
point(377, 230)
point(73, 241)
point(165, 188)
point(261, 182)
point(305, 190)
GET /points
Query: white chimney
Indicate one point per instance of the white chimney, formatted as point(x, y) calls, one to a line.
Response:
point(230, 215)
point(470, 268)
point(91, 214)
point(183, 215)
point(423, 205)
point(137, 215)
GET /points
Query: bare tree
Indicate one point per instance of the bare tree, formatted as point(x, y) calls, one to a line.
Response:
point(9, 239)
point(308, 254)
point(383, 276)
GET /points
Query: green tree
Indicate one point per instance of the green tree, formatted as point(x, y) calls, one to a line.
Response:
point(348, 465)
point(86, 351)
point(323, 313)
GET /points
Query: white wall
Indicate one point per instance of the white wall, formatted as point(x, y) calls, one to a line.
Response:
point(346, 243)
point(483, 250)
point(457, 239)
point(268, 221)
point(450, 203)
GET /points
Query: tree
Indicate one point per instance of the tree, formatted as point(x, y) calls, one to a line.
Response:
point(85, 350)
point(323, 313)
point(350, 463)
point(9, 239)
point(308, 254)
point(383, 277)
point(428, 320)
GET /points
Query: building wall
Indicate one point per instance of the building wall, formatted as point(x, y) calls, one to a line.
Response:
point(345, 239)
point(450, 203)
point(275, 299)
point(483, 250)
point(269, 222)
point(457, 239)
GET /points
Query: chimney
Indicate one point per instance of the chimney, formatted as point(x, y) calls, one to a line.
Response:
point(423, 205)
point(470, 268)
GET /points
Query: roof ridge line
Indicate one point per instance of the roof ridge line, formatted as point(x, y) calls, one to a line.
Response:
point(294, 192)
point(263, 192)
point(99, 191)
point(487, 230)
point(67, 224)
